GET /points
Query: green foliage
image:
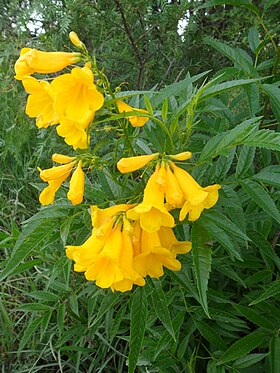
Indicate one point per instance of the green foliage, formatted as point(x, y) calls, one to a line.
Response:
point(220, 313)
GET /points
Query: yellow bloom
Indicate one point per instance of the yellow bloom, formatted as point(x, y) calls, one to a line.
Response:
point(151, 212)
point(107, 258)
point(77, 97)
point(74, 134)
point(56, 175)
point(135, 120)
point(75, 39)
point(196, 198)
point(76, 189)
point(134, 163)
point(101, 216)
point(33, 61)
point(169, 240)
point(154, 256)
point(40, 102)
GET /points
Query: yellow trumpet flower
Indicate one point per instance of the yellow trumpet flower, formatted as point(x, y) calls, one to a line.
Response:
point(135, 120)
point(34, 61)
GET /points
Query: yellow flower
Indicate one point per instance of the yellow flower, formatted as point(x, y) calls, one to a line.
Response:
point(135, 120)
point(101, 216)
point(74, 134)
point(196, 198)
point(151, 212)
point(169, 240)
point(56, 175)
point(154, 256)
point(134, 163)
point(76, 189)
point(107, 257)
point(40, 102)
point(77, 97)
point(33, 61)
point(75, 39)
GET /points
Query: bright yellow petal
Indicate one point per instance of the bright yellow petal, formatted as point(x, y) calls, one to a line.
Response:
point(181, 156)
point(76, 189)
point(134, 163)
point(57, 172)
point(62, 159)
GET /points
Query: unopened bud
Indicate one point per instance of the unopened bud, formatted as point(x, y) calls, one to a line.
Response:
point(181, 156)
point(75, 39)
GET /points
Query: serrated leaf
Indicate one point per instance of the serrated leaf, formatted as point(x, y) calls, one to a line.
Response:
point(235, 55)
point(161, 307)
point(165, 338)
point(254, 316)
point(29, 331)
point(224, 222)
point(242, 347)
point(245, 160)
point(269, 175)
point(253, 96)
point(249, 360)
point(219, 235)
point(211, 335)
point(202, 257)
point(219, 88)
point(264, 139)
point(44, 296)
point(261, 197)
point(267, 293)
point(265, 247)
point(35, 307)
point(138, 320)
point(225, 140)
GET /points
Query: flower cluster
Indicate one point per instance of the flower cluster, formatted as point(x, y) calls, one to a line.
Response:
point(119, 253)
point(128, 241)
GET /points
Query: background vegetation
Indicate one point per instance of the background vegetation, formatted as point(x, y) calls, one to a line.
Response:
point(51, 319)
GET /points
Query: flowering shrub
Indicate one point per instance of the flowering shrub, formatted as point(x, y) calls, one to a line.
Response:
point(154, 183)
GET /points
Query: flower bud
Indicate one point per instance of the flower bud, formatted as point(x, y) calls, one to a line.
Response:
point(75, 39)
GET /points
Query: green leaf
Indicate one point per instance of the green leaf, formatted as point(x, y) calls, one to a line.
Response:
point(269, 175)
point(165, 338)
point(267, 293)
point(31, 238)
point(254, 317)
point(262, 198)
point(44, 296)
point(34, 307)
point(219, 88)
point(253, 96)
point(248, 360)
point(106, 304)
point(219, 235)
point(242, 3)
point(161, 307)
point(242, 347)
point(274, 95)
point(264, 139)
point(148, 105)
point(253, 39)
point(274, 348)
point(211, 335)
point(235, 55)
point(265, 247)
point(29, 331)
point(224, 140)
point(164, 110)
point(225, 223)
point(202, 257)
point(245, 160)
point(137, 326)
